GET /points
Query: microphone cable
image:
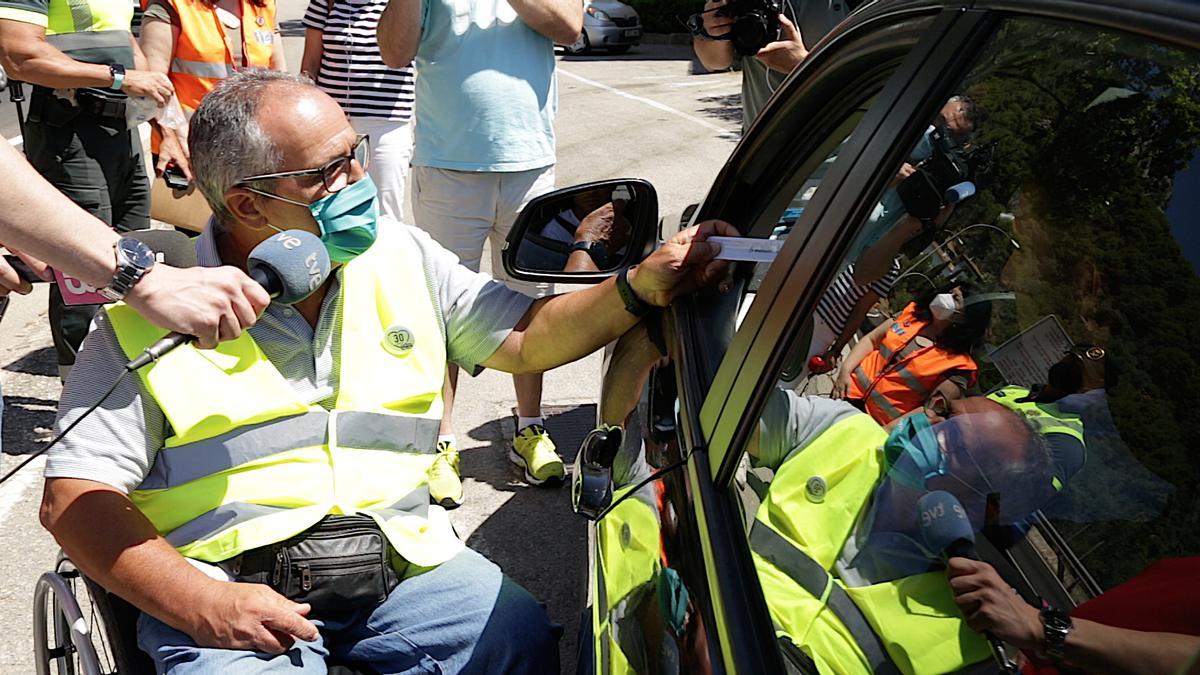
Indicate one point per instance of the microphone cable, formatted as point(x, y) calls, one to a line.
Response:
point(116, 383)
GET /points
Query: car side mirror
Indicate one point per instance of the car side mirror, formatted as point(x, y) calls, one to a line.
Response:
point(3, 79)
point(591, 482)
point(583, 234)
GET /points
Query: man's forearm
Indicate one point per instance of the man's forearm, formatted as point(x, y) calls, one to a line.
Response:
point(399, 32)
point(113, 543)
point(33, 60)
point(563, 328)
point(41, 221)
point(559, 20)
point(1097, 648)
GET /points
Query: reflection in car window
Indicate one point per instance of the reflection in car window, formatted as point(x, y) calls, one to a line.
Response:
point(1003, 367)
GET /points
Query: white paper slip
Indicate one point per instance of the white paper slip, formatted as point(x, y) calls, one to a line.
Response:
point(747, 249)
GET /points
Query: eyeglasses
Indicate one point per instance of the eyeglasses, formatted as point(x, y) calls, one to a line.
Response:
point(335, 175)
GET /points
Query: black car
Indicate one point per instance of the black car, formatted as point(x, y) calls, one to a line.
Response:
point(1062, 220)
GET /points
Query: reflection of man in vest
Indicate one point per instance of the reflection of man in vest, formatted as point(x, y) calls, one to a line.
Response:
point(836, 540)
point(295, 459)
point(84, 64)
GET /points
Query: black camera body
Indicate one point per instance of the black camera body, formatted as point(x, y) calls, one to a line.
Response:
point(951, 174)
point(755, 24)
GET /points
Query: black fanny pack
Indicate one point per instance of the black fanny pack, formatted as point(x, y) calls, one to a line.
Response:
point(340, 565)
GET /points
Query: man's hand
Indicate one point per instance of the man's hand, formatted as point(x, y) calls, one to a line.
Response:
point(212, 303)
point(250, 616)
point(606, 224)
point(714, 25)
point(11, 281)
point(681, 265)
point(990, 605)
point(905, 171)
point(148, 83)
point(174, 150)
point(787, 52)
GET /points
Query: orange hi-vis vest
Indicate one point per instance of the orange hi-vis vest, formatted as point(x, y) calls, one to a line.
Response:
point(204, 54)
point(899, 375)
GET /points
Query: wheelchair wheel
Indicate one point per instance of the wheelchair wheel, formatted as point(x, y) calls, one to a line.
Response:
point(75, 631)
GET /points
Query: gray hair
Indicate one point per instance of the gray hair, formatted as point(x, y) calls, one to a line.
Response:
point(226, 141)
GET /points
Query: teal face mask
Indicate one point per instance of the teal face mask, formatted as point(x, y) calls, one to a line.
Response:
point(911, 453)
point(348, 219)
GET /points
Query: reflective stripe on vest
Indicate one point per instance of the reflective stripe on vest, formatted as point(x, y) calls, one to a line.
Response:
point(203, 57)
point(250, 464)
point(914, 618)
point(1046, 418)
point(809, 576)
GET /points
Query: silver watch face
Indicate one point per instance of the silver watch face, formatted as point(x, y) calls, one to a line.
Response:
point(136, 253)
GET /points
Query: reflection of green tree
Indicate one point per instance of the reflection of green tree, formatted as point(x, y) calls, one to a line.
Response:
point(665, 16)
point(1088, 186)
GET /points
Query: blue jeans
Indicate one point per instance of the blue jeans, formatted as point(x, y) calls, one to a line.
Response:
point(463, 616)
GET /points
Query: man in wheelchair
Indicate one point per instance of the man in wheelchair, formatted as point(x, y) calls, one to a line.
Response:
point(294, 459)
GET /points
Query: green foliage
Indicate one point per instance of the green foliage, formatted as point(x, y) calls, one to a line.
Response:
point(1091, 130)
point(665, 16)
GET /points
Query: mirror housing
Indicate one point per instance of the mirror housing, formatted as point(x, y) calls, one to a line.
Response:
point(583, 234)
point(591, 482)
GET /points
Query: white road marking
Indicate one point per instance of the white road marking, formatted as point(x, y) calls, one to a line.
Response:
point(13, 491)
point(653, 104)
point(16, 140)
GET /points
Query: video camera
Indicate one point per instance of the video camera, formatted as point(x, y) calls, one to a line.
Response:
point(951, 174)
point(755, 23)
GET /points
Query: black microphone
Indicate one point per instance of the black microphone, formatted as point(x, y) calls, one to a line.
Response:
point(289, 266)
point(947, 531)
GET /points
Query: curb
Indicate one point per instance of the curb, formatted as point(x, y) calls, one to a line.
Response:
point(667, 39)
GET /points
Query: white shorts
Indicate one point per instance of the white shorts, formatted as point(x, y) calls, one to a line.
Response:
point(463, 209)
point(391, 151)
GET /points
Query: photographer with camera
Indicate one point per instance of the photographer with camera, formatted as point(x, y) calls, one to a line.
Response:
point(768, 37)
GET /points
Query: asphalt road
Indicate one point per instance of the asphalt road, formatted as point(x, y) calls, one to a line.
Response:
point(648, 114)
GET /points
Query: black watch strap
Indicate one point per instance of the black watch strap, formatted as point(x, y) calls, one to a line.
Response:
point(1056, 625)
point(633, 304)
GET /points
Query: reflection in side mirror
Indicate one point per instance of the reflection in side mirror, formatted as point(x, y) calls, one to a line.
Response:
point(583, 233)
point(3, 79)
point(591, 484)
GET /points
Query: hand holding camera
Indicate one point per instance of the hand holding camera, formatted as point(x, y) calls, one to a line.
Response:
point(752, 24)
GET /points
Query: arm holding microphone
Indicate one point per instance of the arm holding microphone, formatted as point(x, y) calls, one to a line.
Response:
point(214, 304)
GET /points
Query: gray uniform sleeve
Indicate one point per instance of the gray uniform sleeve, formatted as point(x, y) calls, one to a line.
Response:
point(790, 422)
point(477, 311)
point(117, 442)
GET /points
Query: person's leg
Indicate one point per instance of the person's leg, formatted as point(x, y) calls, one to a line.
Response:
point(69, 158)
point(175, 653)
point(129, 188)
point(456, 208)
point(391, 150)
point(533, 448)
point(463, 616)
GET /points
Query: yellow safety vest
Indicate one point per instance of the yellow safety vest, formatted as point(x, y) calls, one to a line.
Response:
point(250, 464)
point(628, 543)
point(1046, 418)
point(910, 625)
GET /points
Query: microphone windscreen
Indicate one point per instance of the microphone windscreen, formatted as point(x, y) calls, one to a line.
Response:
point(296, 259)
point(171, 246)
point(943, 521)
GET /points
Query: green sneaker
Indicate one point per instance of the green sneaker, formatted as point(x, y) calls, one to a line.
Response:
point(445, 487)
point(533, 451)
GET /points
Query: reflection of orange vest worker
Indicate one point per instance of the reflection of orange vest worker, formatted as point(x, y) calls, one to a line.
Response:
point(206, 44)
point(902, 371)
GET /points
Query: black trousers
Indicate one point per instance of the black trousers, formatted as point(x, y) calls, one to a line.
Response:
point(101, 170)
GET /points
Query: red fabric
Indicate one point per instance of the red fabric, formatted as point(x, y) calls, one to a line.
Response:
point(1164, 598)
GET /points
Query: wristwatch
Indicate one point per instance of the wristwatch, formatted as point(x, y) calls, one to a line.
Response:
point(596, 250)
point(134, 259)
point(118, 75)
point(1057, 625)
point(633, 304)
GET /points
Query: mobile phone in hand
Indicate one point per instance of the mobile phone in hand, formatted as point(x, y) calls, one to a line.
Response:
point(174, 178)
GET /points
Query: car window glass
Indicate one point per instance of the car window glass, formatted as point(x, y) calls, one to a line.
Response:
point(1003, 367)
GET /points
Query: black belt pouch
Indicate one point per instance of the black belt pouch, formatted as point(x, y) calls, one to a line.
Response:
point(339, 566)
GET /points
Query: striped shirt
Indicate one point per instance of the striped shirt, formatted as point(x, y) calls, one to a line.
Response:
point(352, 70)
point(117, 443)
point(836, 305)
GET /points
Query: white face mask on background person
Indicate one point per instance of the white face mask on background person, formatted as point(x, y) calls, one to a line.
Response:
point(943, 307)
